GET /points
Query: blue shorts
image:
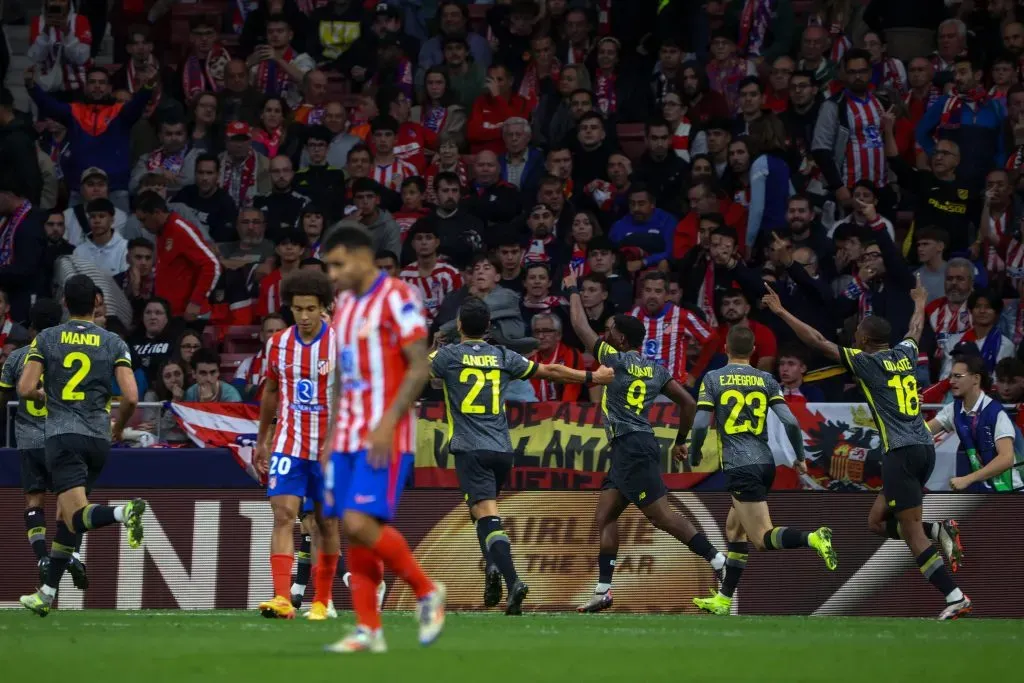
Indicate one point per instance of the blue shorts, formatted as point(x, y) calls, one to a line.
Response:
point(290, 476)
point(351, 484)
point(307, 506)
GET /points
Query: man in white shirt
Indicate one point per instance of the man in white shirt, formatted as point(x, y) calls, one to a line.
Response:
point(104, 246)
point(94, 185)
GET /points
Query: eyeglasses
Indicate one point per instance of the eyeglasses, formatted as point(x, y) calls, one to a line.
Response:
point(870, 256)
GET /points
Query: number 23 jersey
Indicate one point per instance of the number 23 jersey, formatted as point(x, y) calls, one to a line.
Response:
point(740, 396)
point(888, 382)
point(78, 360)
point(638, 382)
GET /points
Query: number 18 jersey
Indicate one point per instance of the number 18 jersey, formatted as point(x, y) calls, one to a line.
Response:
point(475, 375)
point(890, 387)
point(739, 396)
point(638, 382)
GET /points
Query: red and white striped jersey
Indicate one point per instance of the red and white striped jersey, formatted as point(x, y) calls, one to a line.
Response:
point(1014, 260)
point(305, 378)
point(681, 139)
point(392, 175)
point(441, 282)
point(52, 55)
point(371, 331)
point(993, 258)
point(865, 152)
point(946, 320)
point(667, 335)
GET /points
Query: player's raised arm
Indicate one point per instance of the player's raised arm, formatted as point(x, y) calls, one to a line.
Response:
point(920, 296)
point(687, 408)
point(805, 332)
point(577, 316)
point(565, 375)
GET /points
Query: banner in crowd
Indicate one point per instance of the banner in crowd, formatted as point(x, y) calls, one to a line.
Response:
point(564, 446)
point(209, 549)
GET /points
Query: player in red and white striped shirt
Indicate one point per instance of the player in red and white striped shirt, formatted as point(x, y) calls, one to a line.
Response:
point(388, 169)
point(433, 280)
point(669, 327)
point(299, 380)
point(382, 369)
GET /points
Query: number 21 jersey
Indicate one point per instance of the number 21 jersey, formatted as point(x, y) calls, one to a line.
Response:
point(638, 382)
point(739, 397)
point(887, 379)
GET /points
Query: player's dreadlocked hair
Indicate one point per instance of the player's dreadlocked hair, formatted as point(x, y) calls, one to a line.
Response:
point(632, 330)
point(307, 282)
point(876, 330)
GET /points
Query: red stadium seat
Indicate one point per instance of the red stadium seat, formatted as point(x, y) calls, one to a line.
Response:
point(229, 363)
point(243, 339)
point(631, 139)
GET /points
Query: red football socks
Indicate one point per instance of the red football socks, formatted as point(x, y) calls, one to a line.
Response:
point(281, 571)
point(392, 548)
point(365, 574)
point(326, 568)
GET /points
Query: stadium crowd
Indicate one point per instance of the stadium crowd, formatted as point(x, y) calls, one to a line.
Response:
point(674, 155)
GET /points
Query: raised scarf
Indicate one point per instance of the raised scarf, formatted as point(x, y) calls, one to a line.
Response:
point(159, 160)
point(200, 76)
point(755, 19)
point(9, 229)
point(239, 180)
point(271, 79)
point(270, 140)
point(607, 98)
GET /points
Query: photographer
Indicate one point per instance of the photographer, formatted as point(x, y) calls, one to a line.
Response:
point(60, 43)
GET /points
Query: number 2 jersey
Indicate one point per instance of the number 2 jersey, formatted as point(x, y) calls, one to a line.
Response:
point(739, 396)
point(305, 378)
point(78, 359)
point(30, 420)
point(890, 387)
point(475, 375)
point(638, 382)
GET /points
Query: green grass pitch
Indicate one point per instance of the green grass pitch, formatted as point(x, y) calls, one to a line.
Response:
point(151, 646)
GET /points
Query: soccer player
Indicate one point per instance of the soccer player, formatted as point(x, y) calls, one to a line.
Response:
point(635, 473)
point(739, 397)
point(29, 429)
point(381, 336)
point(886, 376)
point(300, 376)
point(475, 375)
point(77, 360)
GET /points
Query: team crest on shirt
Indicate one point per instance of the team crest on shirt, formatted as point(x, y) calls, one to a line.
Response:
point(168, 244)
point(323, 367)
point(961, 194)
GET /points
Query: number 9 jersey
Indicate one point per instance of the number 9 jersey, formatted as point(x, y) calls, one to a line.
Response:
point(739, 396)
point(890, 387)
point(638, 382)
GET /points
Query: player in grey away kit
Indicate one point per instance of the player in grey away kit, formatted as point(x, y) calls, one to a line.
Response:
point(635, 472)
point(739, 397)
point(29, 426)
point(76, 360)
point(886, 376)
point(475, 375)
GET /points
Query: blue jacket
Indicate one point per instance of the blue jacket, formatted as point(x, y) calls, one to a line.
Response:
point(662, 223)
point(979, 135)
point(770, 189)
point(98, 134)
point(529, 179)
point(977, 438)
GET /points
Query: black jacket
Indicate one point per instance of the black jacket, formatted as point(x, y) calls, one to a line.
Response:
point(23, 276)
point(323, 185)
point(18, 151)
point(281, 210)
point(461, 235)
point(665, 178)
point(217, 212)
point(498, 203)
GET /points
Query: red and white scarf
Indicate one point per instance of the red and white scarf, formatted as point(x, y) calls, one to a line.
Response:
point(9, 229)
point(993, 253)
point(755, 18)
point(433, 117)
point(607, 98)
point(951, 111)
point(837, 35)
point(271, 140)
point(529, 88)
point(933, 94)
point(199, 76)
point(271, 79)
point(706, 295)
point(5, 330)
point(159, 160)
point(239, 180)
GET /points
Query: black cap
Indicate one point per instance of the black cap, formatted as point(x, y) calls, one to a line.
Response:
point(385, 10)
point(100, 205)
point(724, 33)
point(600, 243)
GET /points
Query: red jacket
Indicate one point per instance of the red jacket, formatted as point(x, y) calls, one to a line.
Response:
point(685, 237)
point(484, 130)
point(186, 267)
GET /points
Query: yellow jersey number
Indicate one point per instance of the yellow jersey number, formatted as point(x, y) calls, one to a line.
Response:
point(480, 379)
point(36, 408)
point(636, 395)
point(758, 404)
point(82, 364)
point(907, 399)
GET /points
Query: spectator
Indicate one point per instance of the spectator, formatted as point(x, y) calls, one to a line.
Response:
point(389, 169)
point(923, 91)
point(521, 164)
point(770, 31)
point(335, 27)
point(55, 245)
point(447, 160)
point(341, 143)
point(10, 331)
point(682, 131)
point(492, 109)
point(703, 200)
point(319, 181)
point(453, 24)
point(554, 116)
point(585, 227)
point(804, 230)
point(799, 119)
point(703, 103)
point(543, 247)
point(491, 199)
point(186, 271)
point(214, 208)
point(611, 196)
point(378, 221)
point(313, 109)
point(886, 72)
point(776, 96)
point(203, 69)
point(169, 159)
point(205, 133)
point(185, 347)
point(596, 304)
point(412, 141)
point(601, 260)
point(951, 45)
point(1009, 381)
point(620, 95)
point(578, 46)
point(950, 314)
point(250, 374)
point(251, 246)
point(864, 194)
point(547, 329)
point(104, 246)
point(256, 19)
point(591, 150)
point(276, 68)
point(22, 244)
point(141, 59)
point(413, 204)
point(461, 232)
point(931, 243)
point(698, 272)
point(137, 280)
point(999, 213)
point(312, 221)
point(970, 119)
point(985, 307)
point(387, 261)
point(440, 111)
point(244, 173)
point(770, 185)
point(750, 105)
point(537, 298)
point(648, 229)
point(283, 206)
point(238, 100)
point(666, 72)
point(60, 44)
point(465, 76)
point(659, 168)
point(208, 387)
point(726, 70)
point(169, 385)
point(18, 148)
point(92, 146)
point(151, 343)
point(433, 279)
point(510, 258)
point(94, 185)
point(813, 49)
point(289, 248)
point(734, 311)
point(792, 370)
point(669, 327)
point(273, 137)
point(542, 70)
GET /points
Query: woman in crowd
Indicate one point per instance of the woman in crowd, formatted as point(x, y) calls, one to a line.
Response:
point(152, 342)
point(446, 159)
point(169, 384)
point(188, 343)
point(439, 112)
point(272, 137)
point(585, 227)
point(204, 131)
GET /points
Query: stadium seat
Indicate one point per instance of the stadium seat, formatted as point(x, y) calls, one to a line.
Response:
point(631, 139)
point(242, 339)
point(229, 363)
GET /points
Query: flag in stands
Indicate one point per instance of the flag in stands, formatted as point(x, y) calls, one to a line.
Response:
point(222, 425)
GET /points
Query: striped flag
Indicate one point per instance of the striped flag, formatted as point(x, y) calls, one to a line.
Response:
point(222, 425)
